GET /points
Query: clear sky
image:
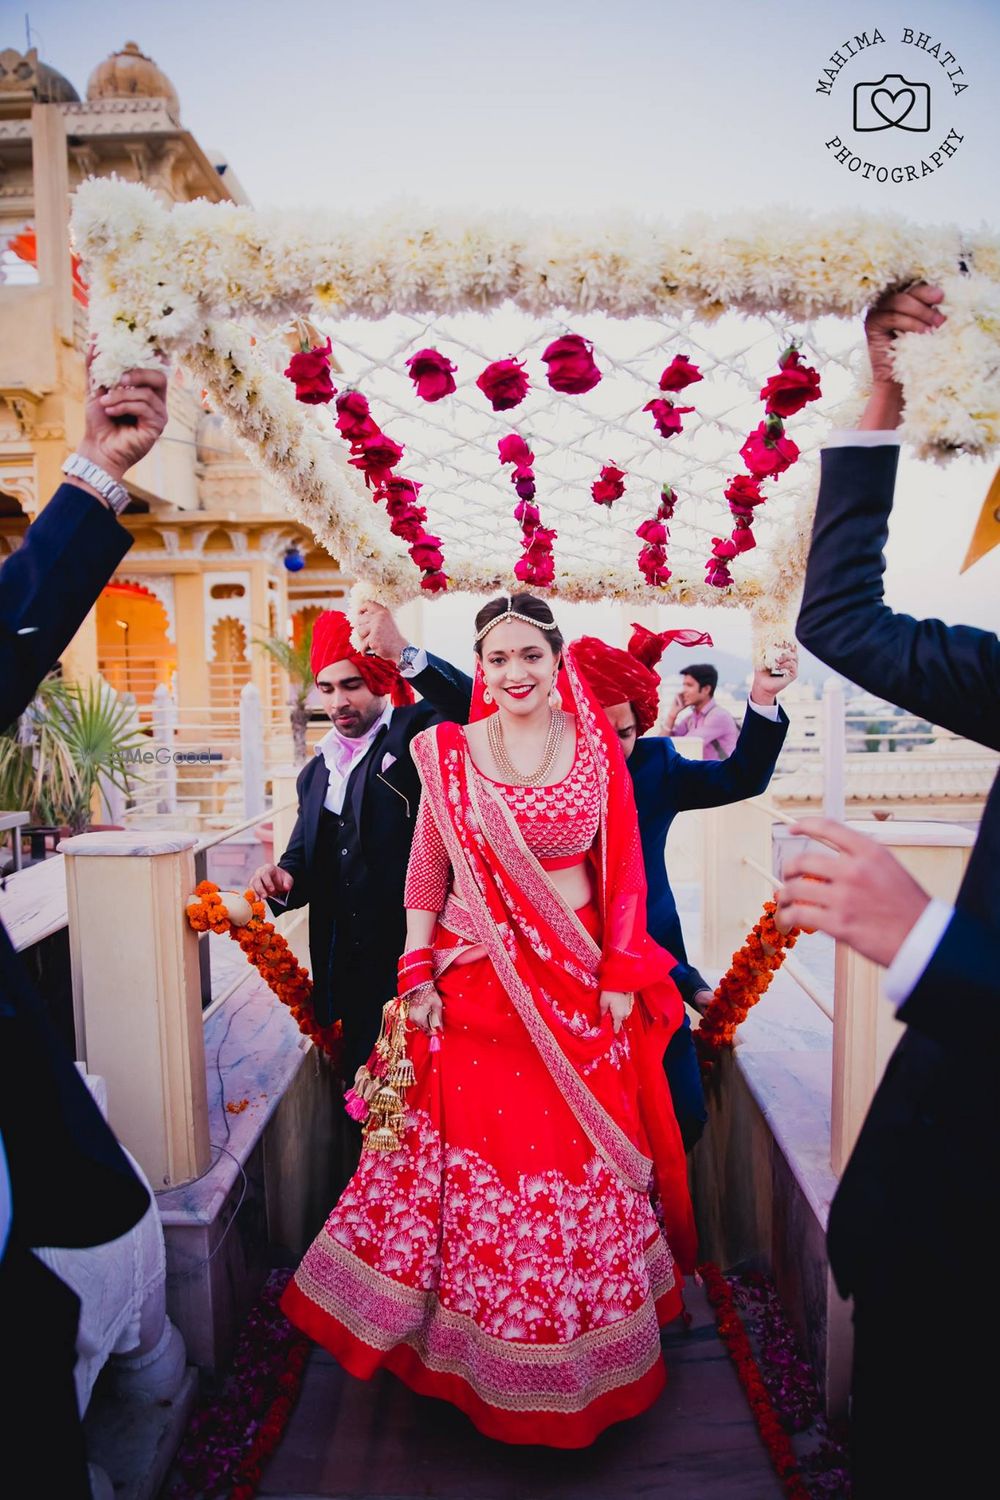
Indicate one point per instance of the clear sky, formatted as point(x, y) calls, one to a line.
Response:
point(586, 107)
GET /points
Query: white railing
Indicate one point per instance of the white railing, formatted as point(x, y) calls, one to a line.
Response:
point(203, 767)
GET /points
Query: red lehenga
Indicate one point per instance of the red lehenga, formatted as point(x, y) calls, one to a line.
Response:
point(507, 1257)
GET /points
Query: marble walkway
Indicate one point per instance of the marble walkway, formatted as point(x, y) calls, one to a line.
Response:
point(351, 1439)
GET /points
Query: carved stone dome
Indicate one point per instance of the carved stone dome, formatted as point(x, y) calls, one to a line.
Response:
point(130, 74)
point(22, 73)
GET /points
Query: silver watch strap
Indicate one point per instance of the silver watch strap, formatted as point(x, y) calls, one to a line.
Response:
point(78, 467)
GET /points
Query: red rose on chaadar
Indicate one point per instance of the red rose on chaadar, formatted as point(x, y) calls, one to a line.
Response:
point(610, 486)
point(667, 416)
point(527, 516)
point(524, 483)
point(716, 570)
point(744, 491)
point(427, 554)
point(514, 450)
point(354, 419)
point(434, 582)
point(432, 374)
point(679, 374)
point(406, 519)
point(310, 370)
point(794, 386)
point(504, 384)
point(376, 457)
point(571, 365)
point(767, 452)
point(653, 564)
point(743, 538)
point(652, 531)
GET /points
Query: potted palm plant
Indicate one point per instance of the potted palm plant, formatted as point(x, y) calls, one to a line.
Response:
point(294, 659)
point(70, 738)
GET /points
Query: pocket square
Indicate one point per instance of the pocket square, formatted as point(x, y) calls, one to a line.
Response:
point(388, 760)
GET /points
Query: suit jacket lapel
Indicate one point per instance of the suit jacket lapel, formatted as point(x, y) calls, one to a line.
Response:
point(315, 797)
point(359, 777)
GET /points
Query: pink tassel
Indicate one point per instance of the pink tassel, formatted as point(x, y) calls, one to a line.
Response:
point(434, 1045)
point(356, 1107)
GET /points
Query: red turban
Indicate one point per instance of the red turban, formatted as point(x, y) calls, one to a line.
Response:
point(616, 676)
point(331, 642)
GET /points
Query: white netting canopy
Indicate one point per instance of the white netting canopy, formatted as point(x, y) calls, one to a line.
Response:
point(218, 287)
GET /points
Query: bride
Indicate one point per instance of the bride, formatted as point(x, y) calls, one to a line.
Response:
point(519, 1250)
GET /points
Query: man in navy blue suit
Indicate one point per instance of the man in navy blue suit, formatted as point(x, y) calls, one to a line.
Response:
point(914, 1216)
point(665, 783)
point(64, 1179)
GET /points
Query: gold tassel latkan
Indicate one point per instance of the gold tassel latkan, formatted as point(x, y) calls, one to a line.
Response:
point(386, 1120)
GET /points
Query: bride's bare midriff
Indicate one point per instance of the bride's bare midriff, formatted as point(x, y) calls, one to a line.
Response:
point(575, 886)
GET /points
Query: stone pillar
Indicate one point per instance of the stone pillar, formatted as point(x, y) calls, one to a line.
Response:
point(865, 1029)
point(136, 993)
point(252, 751)
point(734, 891)
point(834, 749)
point(50, 174)
point(164, 737)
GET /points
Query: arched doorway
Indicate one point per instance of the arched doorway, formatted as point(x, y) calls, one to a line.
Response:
point(134, 651)
point(229, 669)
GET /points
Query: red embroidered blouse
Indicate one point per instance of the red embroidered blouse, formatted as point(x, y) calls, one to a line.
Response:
point(558, 823)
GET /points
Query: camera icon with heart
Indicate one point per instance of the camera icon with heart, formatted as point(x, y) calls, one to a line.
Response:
point(893, 103)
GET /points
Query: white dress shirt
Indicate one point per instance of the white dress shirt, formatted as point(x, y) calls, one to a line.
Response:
point(342, 754)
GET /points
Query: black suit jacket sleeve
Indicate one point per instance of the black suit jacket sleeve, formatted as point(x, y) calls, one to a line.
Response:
point(945, 673)
point(294, 858)
point(447, 689)
point(964, 965)
point(746, 773)
point(49, 585)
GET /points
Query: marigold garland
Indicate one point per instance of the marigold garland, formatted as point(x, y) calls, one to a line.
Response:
point(734, 1336)
point(271, 956)
point(749, 974)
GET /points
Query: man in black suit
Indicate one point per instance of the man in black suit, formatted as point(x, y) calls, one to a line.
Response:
point(912, 1223)
point(64, 1180)
point(349, 848)
point(665, 783)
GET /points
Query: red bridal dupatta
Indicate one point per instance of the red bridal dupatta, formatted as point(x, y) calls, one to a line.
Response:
point(506, 1256)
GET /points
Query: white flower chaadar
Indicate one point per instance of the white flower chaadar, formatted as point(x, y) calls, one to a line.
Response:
point(169, 283)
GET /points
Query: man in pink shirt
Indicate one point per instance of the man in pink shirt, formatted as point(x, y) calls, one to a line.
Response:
point(708, 720)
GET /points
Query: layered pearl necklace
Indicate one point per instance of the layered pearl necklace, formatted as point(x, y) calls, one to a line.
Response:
point(541, 774)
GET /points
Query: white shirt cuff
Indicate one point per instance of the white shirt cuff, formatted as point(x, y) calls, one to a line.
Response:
point(915, 951)
point(418, 664)
point(856, 437)
point(766, 710)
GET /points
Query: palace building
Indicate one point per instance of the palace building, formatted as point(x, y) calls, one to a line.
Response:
point(207, 575)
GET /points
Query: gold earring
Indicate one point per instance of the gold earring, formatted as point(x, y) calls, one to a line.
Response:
point(487, 696)
point(555, 697)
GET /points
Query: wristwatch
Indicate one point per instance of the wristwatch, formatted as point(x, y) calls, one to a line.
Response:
point(116, 495)
point(407, 657)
